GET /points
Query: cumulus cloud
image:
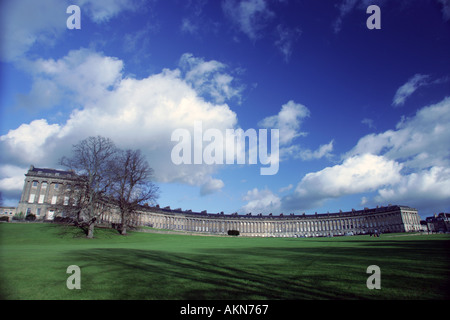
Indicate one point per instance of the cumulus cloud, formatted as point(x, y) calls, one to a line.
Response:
point(356, 174)
point(261, 201)
point(29, 142)
point(420, 144)
point(408, 165)
point(80, 77)
point(11, 182)
point(417, 141)
point(209, 78)
point(211, 186)
point(428, 188)
point(288, 121)
point(135, 113)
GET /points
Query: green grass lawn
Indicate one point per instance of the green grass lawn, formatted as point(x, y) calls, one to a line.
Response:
point(34, 259)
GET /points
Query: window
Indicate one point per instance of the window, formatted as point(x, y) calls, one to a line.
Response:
point(56, 186)
point(31, 199)
point(28, 211)
point(43, 185)
point(41, 198)
point(54, 198)
point(38, 212)
point(34, 184)
point(66, 200)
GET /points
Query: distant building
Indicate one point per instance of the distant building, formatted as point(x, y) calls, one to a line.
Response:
point(43, 191)
point(439, 222)
point(7, 212)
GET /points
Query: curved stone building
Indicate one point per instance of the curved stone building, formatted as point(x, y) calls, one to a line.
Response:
point(45, 195)
point(392, 218)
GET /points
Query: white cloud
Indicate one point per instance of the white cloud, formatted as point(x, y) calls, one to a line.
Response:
point(297, 152)
point(287, 188)
point(419, 141)
point(101, 11)
point(209, 79)
point(409, 165)
point(29, 142)
point(250, 16)
point(323, 151)
point(406, 90)
point(80, 77)
point(261, 201)
point(211, 186)
point(428, 188)
point(134, 113)
point(358, 174)
point(288, 121)
point(11, 182)
point(420, 144)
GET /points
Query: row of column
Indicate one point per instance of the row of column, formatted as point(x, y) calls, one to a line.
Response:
point(411, 221)
point(382, 223)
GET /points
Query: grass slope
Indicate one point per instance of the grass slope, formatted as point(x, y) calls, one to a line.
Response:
point(34, 259)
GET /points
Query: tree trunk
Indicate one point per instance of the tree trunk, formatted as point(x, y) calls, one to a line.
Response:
point(90, 234)
point(123, 229)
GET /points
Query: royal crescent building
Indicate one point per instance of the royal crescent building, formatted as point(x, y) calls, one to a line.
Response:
point(45, 189)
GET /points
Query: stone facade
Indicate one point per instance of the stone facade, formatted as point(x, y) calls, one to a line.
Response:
point(378, 220)
point(44, 196)
point(43, 192)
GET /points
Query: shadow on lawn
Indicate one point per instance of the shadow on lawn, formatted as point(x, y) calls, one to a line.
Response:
point(142, 274)
point(325, 272)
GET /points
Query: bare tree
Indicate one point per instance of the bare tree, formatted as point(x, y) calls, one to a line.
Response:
point(92, 161)
point(132, 185)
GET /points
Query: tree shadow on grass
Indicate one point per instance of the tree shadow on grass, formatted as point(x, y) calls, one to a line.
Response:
point(147, 274)
point(265, 273)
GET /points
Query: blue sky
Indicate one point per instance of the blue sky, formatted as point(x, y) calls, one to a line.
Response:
point(363, 114)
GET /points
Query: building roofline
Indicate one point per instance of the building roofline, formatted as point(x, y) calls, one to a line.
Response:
point(204, 213)
point(50, 172)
